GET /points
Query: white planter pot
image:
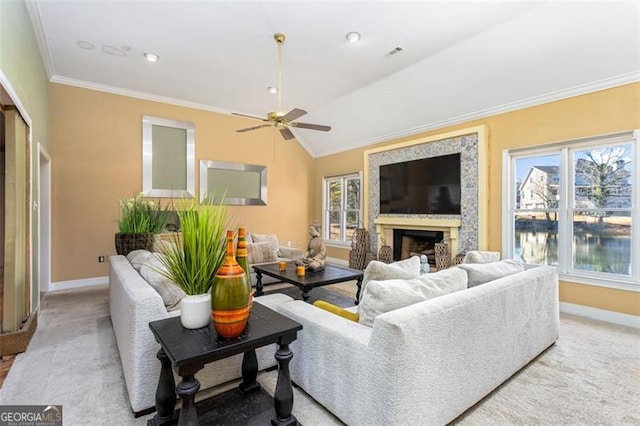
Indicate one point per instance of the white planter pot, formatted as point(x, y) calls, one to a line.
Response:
point(195, 311)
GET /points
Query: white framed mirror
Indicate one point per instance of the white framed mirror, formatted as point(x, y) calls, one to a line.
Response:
point(241, 184)
point(168, 157)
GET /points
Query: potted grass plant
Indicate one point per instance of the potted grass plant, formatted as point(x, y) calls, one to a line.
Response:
point(140, 219)
point(192, 259)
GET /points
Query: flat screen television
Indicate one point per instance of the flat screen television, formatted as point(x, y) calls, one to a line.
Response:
point(425, 186)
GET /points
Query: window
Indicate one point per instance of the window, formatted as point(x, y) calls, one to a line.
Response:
point(572, 205)
point(342, 207)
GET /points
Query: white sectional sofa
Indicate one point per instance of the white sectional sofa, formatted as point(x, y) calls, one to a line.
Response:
point(133, 303)
point(428, 362)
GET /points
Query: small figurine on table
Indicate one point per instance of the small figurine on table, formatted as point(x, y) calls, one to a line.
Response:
point(314, 259)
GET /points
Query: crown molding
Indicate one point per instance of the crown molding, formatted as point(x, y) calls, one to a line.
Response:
point(135, 94)
point(570, 92)
point(36, 22)
point(582, 89)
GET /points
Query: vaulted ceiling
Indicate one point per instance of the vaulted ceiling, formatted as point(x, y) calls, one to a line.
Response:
point(457, 60)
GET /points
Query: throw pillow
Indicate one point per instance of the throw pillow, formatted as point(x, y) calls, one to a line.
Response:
point(476, 256)
point(334, 309)
point(171, 294)
point(263, 252)
point(137, 258)
point(380, 271)
point(270, 238)
point(480, 273)
point(386, 296)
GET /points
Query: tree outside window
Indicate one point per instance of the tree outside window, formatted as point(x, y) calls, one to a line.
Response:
point(573, 207)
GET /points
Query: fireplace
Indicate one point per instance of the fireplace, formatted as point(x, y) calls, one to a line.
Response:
point(435, 229)
point(415, 242)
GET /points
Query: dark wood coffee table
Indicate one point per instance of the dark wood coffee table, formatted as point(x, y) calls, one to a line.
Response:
point(331, 274)
point(189, 350)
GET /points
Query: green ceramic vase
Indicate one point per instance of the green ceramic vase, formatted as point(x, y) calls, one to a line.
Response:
point(231, 296)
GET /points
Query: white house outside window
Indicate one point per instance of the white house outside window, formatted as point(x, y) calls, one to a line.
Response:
point(574, 205)
point(342, 207)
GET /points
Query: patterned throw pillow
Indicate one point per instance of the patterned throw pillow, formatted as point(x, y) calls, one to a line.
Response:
point(263, 252)
point(266, 238)
point(387, 296)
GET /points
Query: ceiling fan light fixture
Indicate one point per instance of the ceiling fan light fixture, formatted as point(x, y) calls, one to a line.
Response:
point(353, 37)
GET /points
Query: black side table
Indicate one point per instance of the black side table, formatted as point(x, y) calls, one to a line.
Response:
point(187, 351)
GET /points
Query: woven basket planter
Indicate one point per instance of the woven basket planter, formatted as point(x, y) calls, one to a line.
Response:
point(359, 249)
point(385, 254)
point(126, 242)
point(443, 259)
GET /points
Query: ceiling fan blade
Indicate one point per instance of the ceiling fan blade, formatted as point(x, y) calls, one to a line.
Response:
point(293, 114)
point(311, 126)
point(248, 116)
point(286, 133)
point(248, 129)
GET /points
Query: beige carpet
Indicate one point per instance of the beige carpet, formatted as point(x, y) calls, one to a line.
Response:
point(591, 376)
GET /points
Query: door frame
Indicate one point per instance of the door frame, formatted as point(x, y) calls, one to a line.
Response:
point(44, 219)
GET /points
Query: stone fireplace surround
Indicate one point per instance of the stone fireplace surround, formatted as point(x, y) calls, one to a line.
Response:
point(461, 232)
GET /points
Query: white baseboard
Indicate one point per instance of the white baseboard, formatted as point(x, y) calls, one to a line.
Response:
point(336, 261)
point(76, 284)
point(601, 314)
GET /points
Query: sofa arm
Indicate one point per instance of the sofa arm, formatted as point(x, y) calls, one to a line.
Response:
point(333, 363)
point(132, 304)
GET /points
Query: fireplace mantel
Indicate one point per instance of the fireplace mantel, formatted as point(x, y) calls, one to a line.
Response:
point(450, 227)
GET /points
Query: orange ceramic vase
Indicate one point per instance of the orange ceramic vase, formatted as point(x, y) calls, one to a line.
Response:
point(231, 296)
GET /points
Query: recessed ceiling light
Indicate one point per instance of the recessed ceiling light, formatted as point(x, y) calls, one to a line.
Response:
point(353, 37)
point(272, 90)
point(151, 57)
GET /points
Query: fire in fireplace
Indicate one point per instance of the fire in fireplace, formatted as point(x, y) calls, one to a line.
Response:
point(413, 242)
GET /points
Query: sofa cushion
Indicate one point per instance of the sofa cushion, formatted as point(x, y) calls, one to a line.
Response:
point(480, 273)
point(262, 252)
point(385, 296)
point(149, 270)
point(270, 238)
point(380, 271)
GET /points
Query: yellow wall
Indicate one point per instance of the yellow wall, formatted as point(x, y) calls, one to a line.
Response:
point(20, 61)
point(96, 145)
point(22, 66)
point(597, 113)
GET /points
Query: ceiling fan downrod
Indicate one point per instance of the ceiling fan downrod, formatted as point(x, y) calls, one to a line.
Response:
point(279, 38)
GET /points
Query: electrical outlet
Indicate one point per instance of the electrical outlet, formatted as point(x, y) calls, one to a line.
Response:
point(100, 259)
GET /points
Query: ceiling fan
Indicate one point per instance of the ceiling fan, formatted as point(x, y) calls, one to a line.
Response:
point(279, 119)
